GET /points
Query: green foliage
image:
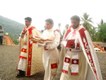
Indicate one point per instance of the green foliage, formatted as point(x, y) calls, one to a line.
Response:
point(87, 23)
point(102, 32)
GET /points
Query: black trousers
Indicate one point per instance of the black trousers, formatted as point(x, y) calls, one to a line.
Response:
point(1, 40)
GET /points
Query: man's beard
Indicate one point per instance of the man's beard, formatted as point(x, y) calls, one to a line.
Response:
point(75, 26)
point(27, 25)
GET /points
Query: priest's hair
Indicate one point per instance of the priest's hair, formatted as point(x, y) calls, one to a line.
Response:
point(75, 17)
point(28, 18)
point(49, 20)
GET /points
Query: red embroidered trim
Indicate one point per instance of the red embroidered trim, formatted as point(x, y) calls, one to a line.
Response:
point(74, 74)
point(75, 61)
point(67, 60)
point(54, 65)
point(29, 53)
point(64, 71)
point(68, 31)
point(88, 53)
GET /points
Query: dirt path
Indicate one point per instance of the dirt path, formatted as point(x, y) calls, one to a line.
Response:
point(9, 59)
point(8, 63)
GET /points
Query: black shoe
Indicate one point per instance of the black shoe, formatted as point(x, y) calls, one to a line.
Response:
point(21, 74)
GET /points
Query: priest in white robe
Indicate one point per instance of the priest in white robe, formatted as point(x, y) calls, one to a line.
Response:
point(50, 54)
point(78, 58)
point(27, 60)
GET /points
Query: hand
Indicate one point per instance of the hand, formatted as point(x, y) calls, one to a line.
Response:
point(42, 42)
point(22, 36)
point(34, 39)
point(24, 31)
point(39, 40)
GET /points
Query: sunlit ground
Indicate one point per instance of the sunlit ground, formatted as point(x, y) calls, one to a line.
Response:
point(9, 59)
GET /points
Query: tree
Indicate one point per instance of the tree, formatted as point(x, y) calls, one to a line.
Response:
point(102, 31)
point(87, 23)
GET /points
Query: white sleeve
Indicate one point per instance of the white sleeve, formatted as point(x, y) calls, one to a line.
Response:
point(36, 33)
point(63, 43)
point(56, 41)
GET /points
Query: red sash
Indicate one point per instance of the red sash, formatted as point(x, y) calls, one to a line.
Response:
point(87, 50)
point(29, 52)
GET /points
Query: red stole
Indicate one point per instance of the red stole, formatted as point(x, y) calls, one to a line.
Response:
point(28, 73)
point(68, 31)
point(86, 47)
point(88, 52)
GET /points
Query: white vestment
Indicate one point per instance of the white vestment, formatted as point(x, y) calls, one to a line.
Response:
point(29, 52)
point(50, 55)
point(79, 58)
